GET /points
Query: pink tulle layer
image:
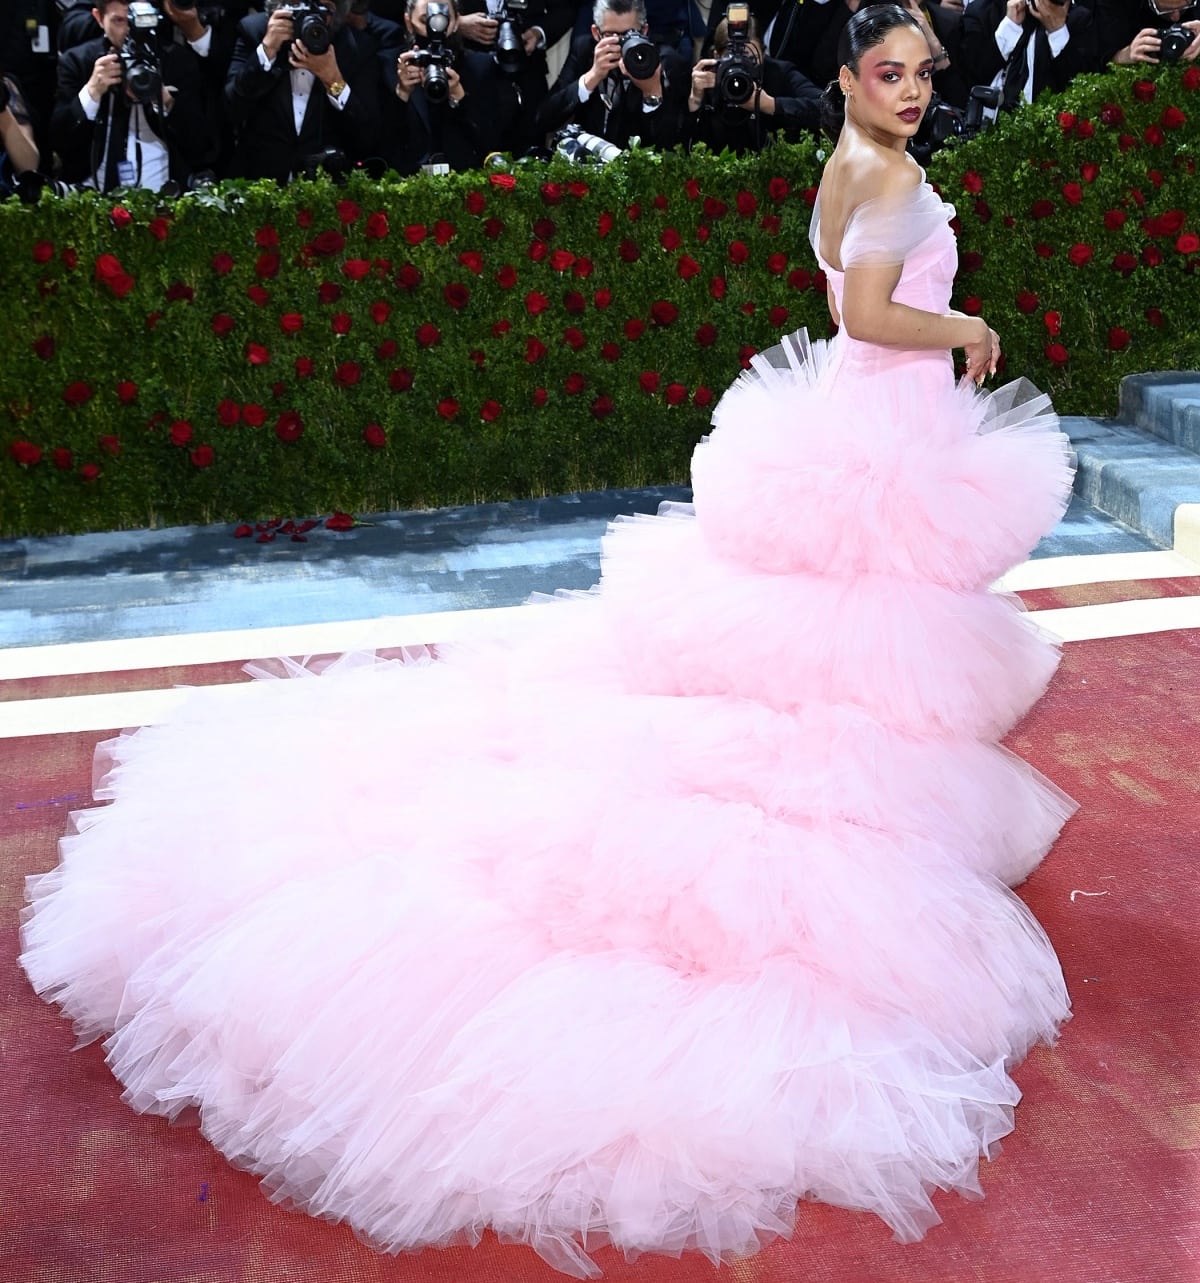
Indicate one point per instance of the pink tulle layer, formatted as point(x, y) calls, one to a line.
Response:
point(685, 901)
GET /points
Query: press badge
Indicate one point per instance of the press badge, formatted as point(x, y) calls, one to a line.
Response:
point(39, 41)
point(126, 173)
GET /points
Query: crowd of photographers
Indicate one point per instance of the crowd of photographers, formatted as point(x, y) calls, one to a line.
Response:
point(169, 94)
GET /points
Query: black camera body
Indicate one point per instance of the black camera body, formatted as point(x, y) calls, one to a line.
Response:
point(739, 70)
point(140, 70)
point(639, 54)
point(435, 57)
point(310, 23)
point(1173, 40)
point(510, 31)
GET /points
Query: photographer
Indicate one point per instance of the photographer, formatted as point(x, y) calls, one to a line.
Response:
point(740, 96)
point(299, 106)
point(445, 104)
point(1131, 31)
point(129, 111)
point(1025, 49)
point(616, 83)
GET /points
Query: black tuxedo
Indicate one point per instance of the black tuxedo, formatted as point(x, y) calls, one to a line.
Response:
point(622, 117)
point(463, 135)
point(797, 107)
point(1118, 21)
point(80, 142)
point(260, 107)
point(984, 60)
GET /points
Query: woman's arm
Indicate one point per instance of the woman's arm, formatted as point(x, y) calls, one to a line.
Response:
point(16, 137)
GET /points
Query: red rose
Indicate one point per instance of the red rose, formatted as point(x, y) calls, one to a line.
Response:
point(692, 189)
point(628, 251)
point(540, 396)
point(256, 354)
point(501, 328)
point(228, 413)
point(1053, 323)
point(1085, 129)
point(537, 251)
point(777, 189)
point(703, 232)
point(43, 252)
point(477, 357)
point(1127, 142)
point(44, 347)
point(1124, 263)
point(380, 311)
point(327, 244)
point(408, 277)
point(291, 322)
point(158, 228)
point(738, 253)
point(578, 189)
point(374, 436)
point(1056, 354)
point(347, 374)
point(443, 232)
point(611, 352)
point(663, 313)
point(25, 453)
point(243, 531)
point(1153, 136)
point(983, 212)
point(180, 432)
point(1066, 121)
point(561, 260)
point(777, 315)
point(770, 223)
point(544, 228)
point(574, 303)
point(1169, 223)
point(289, 426)
point(1155, 317)
point(535, 349)
point(1191, 78)
point(152, 320)
point(1089, 171)
point(799, 278)
point(328, 292)
point(257, 295)
point(127, 391)
point(266, 266)
point(1152, 256)
point(178, 292)
point(356, 268)
point(340, 521)
point(505, 182)
point(203, 456)
point(89, 472)
point(78, 393)
point(448, 408)
point(506, 277)
point(475, 202)
point(377, 226)
point(456, 295)
point(111, 274)
point(676, 394)
point(428, 335)
point(602, 299)
point(604, 224)
point(1114, 219)
point(687, 267)
point(348, 212)
point(1112, 115)
point(1072, 193)
point(109, 444)
point(536, 303)
point(777, 264)
point(400, 380)
point(1144, 90)
point(972, 305)
point(746, 354)
point(819, 282)
point(552, 193)
point(304, 367)
point(633, 212)
point(583, 268)
point(702, 396)
point(70, 259)
point(1118, 338)
point(490, 411)
point(386, 350)
point(969, 262)
point(634, 329)
point(602, 406)
point(648, 381)
point(706, 335)
point(1041, 209)
point(972, 182)
point(713, 208)
point(574, 339)
point(1188, 243)
point(62, 458)
point(670, 239)
point(1042, 250)
point(415, 233)
point(748, 308)
point(1155, 177)
point(120, 216)
point(747, 204)
point(574, 383)
point(1079, 255)
point(472, 260)
point(717, 287)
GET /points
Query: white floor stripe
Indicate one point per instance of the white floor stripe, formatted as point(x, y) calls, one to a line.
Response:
point(1097, 568)
point(54, 716)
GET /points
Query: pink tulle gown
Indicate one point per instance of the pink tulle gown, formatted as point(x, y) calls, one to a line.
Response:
point(684, 900)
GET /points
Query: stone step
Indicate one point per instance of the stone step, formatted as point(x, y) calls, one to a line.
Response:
point(1165, 403)
point(1134, 475)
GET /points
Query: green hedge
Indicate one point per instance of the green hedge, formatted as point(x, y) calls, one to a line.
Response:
point(256, 351)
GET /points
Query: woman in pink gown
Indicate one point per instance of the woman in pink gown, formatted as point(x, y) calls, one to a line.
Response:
point(686, 899)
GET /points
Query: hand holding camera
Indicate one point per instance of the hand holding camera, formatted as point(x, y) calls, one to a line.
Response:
point(606, 59)
point(106, 74)
point(1052, 14)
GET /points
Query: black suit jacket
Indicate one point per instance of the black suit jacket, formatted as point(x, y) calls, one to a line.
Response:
point(663, 127)
point(797, 107)
point(260, 107)
point(80, 141)
point(984, 60)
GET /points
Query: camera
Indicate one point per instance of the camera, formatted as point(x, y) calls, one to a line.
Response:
point(943, 122)
point(640, 55)
point(510, 45)
point(310, 23)
point(580, 147)
point(139, 55)
point(739, 69)
point(1173, 40)
point(433, 55)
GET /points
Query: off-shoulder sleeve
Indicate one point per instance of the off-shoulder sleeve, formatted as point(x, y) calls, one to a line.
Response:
point(886, 230)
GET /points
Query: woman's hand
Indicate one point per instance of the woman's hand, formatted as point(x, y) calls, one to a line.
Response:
point(982, 353)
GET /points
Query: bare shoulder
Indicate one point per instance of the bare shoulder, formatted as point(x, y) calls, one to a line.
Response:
point(851, 179)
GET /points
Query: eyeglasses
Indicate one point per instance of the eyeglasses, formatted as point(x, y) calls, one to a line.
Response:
point(1164, 8)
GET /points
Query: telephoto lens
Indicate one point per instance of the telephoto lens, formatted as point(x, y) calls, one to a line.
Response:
point(639, 55)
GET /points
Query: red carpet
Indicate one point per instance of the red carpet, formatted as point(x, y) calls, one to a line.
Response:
point(1097, 1185)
